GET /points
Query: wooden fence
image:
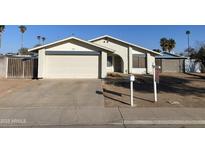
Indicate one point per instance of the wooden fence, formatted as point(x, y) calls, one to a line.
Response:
point(22, 68)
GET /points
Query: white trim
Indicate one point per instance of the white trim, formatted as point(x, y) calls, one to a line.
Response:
point(70, 38)
point(131, 44)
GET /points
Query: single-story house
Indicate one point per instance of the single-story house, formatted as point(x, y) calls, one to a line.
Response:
point(170, 62)
point(76, 58)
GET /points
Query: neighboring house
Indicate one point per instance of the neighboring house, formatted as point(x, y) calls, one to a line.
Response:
point(11, 54)
point(76, 58)
point(170, 62)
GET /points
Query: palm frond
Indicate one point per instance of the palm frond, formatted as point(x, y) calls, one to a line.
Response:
point(2, 28)
point(22, 28)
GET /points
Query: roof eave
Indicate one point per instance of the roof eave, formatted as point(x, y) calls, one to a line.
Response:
point(171, 57)
point(70, 38)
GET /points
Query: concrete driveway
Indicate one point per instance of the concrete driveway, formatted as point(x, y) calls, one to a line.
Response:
point(55, 93)
point(42, 103)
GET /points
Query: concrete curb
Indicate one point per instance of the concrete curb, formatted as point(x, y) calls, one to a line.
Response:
point(165, 122)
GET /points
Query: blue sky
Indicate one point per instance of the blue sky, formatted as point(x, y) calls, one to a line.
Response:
point(147, 36)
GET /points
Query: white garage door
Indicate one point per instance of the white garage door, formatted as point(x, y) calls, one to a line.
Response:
point(72, 66)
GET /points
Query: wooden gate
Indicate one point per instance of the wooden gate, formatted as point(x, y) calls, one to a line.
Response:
point(22, 68)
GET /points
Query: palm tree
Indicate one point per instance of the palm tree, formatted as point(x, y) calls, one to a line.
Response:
point(164, 44)
point(171, 44)
point(43, 39)
point(39, 39)
point(2, 28)
point(188, 33)
point(22, 30)
point(167, 44)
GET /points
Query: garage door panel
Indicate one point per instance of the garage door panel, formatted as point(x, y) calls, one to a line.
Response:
point(72, 66)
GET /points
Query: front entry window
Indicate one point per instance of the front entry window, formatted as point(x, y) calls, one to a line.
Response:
point(109, 61)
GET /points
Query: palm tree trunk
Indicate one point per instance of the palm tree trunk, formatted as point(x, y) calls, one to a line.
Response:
point(21, 40)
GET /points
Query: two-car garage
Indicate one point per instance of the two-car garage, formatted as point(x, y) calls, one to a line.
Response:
point(72, 65)
point(72, 58)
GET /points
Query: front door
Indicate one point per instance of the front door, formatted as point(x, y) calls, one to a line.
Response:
point(117, 64)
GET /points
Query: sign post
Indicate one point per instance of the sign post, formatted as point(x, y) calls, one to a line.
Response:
point(156, 71)
point(132, 79)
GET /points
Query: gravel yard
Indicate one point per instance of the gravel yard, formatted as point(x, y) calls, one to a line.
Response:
point(8, 86)
point(174, 90)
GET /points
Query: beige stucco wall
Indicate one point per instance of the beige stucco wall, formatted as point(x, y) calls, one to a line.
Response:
point(45, 61)
point(130, 59)
point(139, 70)
point(135, 51)
point(126, 52)
point(103, 64)
point(120, 50)
point(150, 63)
point(41, 63)
point(71, 46)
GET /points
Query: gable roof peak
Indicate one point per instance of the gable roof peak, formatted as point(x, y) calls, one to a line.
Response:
point(70, 38)
point(125, 42)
